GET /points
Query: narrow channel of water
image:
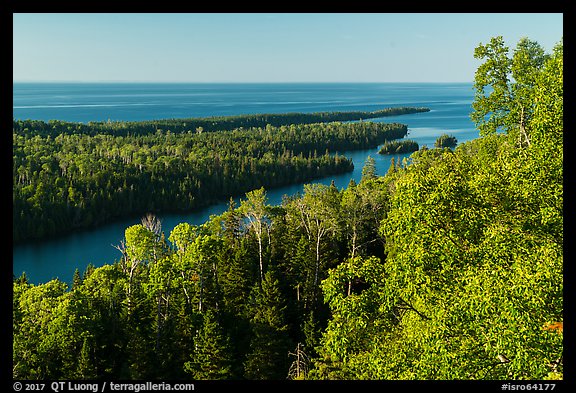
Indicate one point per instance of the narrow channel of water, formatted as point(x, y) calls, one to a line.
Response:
point(42, 261)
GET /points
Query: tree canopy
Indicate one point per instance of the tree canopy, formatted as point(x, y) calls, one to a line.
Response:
point(449, 267)
point(73, 181)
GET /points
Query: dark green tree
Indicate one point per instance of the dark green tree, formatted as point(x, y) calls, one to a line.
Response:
point(86, 365)
point(446, 140)
point(268, 356)
point(212, 353)
point(317, 215)
point(76, 279)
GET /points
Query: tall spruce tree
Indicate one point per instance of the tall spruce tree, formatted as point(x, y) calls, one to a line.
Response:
point(369, 169)
point(212, 351)
point(268, 356)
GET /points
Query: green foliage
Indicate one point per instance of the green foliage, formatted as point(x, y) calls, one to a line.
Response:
point(268, 356)
point(446, 140)
point(509, 88)
point(211, 357)
point(450, 267)
point(473, 275)
point(369, 168)
point(139, 244)
point(199, 125)
point(352, 292)
point(39, 348)
point(74, 180)
point(470, 274)
point(399, 147)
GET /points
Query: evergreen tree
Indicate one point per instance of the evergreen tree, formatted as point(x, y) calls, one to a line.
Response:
point(301, 271)
point(232, 223)
point(392, 167)
point(238, 276)
point(88, 271)
point(212, 352)
point(76, 279)
point(369, 169)
point(268, 356)
point(446, 140)
point(312, 333)
point(86, 366)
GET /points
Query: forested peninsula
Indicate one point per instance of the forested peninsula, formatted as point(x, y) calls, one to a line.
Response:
point(447, 267)
point(69, 175)
point(206, 124)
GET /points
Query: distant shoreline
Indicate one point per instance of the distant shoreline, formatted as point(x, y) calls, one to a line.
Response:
point(202, 124)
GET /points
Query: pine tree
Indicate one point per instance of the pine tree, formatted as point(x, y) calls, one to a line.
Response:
point(238, 274)
point(392, 167)
point(369, 169)
point(268, 358)
point(211, 358)
point(86, 366)
point(76, 280)
point(88, 271)
point(302, 269)
point(312, 333)
point(232, 222)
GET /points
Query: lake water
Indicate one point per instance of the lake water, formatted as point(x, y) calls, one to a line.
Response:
point(450, 105)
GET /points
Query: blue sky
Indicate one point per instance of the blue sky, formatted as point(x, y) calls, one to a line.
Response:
point(280, 47)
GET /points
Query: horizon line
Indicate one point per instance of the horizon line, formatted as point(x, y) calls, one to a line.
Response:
point(225, 82)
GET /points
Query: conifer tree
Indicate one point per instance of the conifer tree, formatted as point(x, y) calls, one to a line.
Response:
point(211, 358)
point(76, 279)
point(86, 366)
point(392, 167)
point(369, 169)
point(268, 357)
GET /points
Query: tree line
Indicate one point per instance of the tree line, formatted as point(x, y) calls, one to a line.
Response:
point(78, 180)
point(199, 125)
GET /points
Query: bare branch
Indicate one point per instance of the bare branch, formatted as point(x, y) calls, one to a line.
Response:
point(410, 307)
point(152, 223)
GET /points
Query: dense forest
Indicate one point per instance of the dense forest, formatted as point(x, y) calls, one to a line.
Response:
point(399, 147)
point(449, 266)
point(78, 180)
point(199, 125)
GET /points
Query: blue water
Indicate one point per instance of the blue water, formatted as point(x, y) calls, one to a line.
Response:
point(450, 105)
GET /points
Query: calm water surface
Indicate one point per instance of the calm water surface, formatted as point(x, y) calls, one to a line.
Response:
point(42, 261)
